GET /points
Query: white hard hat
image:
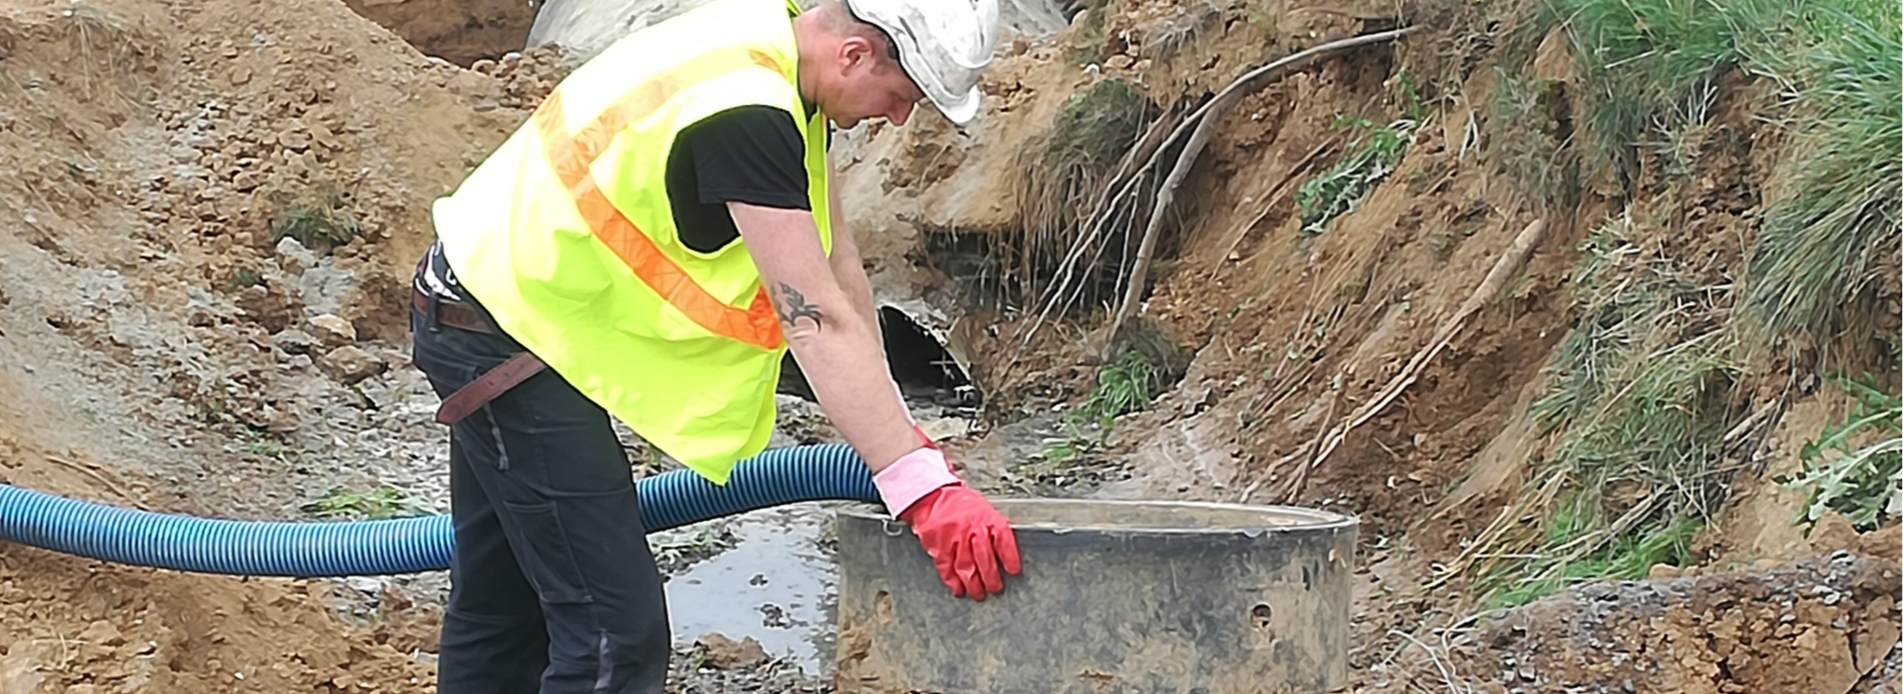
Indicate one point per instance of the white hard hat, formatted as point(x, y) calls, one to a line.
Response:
point(944, 45)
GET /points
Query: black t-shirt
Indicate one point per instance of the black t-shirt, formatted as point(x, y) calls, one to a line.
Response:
point(750, 154)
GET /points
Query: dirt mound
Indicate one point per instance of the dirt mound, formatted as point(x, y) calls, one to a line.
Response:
point(1824, 626)
point(77, 626)
point(199, 185)
point(459, 31)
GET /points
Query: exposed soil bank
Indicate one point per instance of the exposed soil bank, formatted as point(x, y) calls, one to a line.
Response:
point(459, 31)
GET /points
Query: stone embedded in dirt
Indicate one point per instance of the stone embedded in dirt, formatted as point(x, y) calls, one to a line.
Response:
point(1883, 544)
point(294, 341)
point(348, 364)
point(333, 331)
point(728, 654)
point(102, 633)
point(282, 422)
point(1831, 531)
point(294, 138)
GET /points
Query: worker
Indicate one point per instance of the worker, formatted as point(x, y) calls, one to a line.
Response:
point(648, 246)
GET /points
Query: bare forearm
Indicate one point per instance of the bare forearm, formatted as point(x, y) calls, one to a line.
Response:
point(836, 344)
point(852, 281)
point(849, 267)
point(839, 352)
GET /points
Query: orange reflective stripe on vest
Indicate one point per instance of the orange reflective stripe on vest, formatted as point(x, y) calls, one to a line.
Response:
point(572, 154)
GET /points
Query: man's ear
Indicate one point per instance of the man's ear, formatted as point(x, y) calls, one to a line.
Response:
point(855, 52)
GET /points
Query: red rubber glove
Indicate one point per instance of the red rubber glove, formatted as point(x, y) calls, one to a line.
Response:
point(963, 533)
point(966, 537)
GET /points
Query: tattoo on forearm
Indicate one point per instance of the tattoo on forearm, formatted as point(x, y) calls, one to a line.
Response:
point(793, 306)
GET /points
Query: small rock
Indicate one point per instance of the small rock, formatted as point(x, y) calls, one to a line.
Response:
point(284, 421)
point(1662, 572)
point(726, 654)
point(294, 341)
point(1832, 531)
point(1883, 544)
point(348, 364)
point(294, 139)
point(102, 633)
point(333, 331)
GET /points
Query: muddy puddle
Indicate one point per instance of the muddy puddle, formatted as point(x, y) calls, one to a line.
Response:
point(776, 584)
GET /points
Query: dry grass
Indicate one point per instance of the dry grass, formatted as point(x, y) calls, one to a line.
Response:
point(1531, 130)
point(1640, 399)
point(1061, 168)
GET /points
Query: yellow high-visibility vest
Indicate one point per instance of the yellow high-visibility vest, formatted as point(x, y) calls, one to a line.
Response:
point(566, 234)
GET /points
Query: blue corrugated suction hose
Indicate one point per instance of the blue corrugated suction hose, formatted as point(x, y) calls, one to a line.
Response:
point(376, 547)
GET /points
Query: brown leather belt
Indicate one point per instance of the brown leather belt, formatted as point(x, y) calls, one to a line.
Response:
point(490, 384)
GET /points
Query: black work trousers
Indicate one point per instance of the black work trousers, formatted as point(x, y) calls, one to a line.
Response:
point(553, 587)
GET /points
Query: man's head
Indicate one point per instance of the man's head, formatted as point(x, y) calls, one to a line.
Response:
point(878, 58)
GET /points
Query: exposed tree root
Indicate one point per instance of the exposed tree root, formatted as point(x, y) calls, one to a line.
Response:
point(1205, 119)
point(1503, 269)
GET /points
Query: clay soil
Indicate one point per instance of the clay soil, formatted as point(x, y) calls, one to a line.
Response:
point(164, 347)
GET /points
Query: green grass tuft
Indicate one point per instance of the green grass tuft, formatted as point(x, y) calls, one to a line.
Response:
point(318, 220)
point(1650, 67)
point(1640, 397)
point(1837, 218)
point(1063, 171)
point(1531, 130)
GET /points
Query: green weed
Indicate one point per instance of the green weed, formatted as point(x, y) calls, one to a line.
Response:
point(1368, 161)
point(1859, 482)
point(317, 220)
point(382, 502)
point(1123, 386)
